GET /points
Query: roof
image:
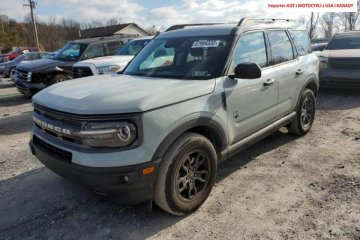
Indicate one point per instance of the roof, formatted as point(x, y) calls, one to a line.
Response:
point(213, 29)
point(106, 31)
point(103, 39)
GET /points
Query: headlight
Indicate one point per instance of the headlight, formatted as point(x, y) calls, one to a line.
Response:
point(109, 134)
point(323, 62)
point(29, 76)
point(108, 69)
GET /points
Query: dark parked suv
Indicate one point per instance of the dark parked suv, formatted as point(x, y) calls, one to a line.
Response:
point(340, 62)
point(37, 75)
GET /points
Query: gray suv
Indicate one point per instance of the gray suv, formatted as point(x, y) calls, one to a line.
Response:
point(193, 97)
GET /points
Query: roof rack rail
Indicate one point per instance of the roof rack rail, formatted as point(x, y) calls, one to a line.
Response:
point(245, 21)
point(181, 26)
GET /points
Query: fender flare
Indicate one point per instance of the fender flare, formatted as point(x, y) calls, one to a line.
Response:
point(311, 79)
point(215, 127)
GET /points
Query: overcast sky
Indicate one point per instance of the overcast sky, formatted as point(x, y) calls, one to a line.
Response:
point(144, 12)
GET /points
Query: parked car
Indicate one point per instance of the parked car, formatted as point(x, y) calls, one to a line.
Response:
point(7, 68)
point(159, 131)
point(110, 64)
point(40, 74)
point(17, 52)
point(340, 62)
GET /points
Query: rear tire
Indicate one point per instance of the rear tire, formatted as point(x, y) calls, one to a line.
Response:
point(305, 114)
point(186, 175)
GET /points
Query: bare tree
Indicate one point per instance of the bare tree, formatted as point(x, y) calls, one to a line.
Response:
point(114, 21)
point(311, 23)
point(314, 19)
point(349, 19)
point(328, 24)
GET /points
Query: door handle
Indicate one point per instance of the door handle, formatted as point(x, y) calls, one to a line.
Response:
point(269, 82)
point(299, 72)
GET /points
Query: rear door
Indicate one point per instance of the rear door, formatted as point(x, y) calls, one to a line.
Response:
point(285, 63)
point(251, 103)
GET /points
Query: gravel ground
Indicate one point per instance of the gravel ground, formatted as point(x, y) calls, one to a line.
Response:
point(283, 187)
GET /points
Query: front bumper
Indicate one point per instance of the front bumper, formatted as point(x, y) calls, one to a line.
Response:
point(28, 88)
point(128, 182)
point(334, 78)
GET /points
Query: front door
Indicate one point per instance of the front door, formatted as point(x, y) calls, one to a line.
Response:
point(251, 103)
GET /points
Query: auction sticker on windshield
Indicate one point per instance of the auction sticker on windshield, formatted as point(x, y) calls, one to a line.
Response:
point(206, 43)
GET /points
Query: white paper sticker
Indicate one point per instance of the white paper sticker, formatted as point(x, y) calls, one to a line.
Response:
point(201, 74)
point(206, 44)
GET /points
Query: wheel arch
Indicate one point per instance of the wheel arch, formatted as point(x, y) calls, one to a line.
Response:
point(201, 125)
point(310, 83)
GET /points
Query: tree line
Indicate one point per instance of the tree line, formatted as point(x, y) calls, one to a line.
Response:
point(327, 24)
point(54, 33)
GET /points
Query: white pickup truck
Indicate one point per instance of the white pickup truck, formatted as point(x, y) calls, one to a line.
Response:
point(110, 64)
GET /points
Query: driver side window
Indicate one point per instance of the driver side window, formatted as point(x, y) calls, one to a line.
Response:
point(251, 48)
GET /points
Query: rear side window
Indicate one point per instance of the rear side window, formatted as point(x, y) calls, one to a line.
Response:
point(281, 47)
point(302, 42)
point(112, 47)
point(251, 48)
point(95, 50)
point(344, 42)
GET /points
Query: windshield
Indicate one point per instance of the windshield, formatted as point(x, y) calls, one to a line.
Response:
point(71, 52)
point(344, 42)
point(132, 47)
point(181, 58)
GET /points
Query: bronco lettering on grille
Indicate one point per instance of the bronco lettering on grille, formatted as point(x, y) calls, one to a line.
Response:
point(51, 127)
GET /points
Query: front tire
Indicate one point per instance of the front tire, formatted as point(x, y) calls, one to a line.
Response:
point(60, 78)
point(305, 114)
point(186, 175)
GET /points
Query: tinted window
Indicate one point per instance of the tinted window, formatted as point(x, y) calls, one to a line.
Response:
point(344, 42)
point(302, 42)
point(113, 47)
point(281, 47)
point(251, 48)
point(95, 50)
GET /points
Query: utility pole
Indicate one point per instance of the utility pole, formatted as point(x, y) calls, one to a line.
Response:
point(32, 5)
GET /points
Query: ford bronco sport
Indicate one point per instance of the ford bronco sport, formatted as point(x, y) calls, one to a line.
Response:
point(159, 132)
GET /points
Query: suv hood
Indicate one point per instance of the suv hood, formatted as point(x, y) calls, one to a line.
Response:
point(119, 94)
point(107, 60)
point(346, 53)
point(40, 65)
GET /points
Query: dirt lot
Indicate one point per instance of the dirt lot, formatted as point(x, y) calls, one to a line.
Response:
point(281, 188)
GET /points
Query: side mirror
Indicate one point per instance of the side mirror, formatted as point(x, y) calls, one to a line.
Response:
point(247, 71)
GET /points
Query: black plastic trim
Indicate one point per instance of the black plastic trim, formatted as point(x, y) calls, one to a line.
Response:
point(215, 127)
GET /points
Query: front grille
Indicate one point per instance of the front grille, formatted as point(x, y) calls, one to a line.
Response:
point(61, 154)
point(345, 63)
point(58, 120)
point(21, 74)
point(79, 72)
